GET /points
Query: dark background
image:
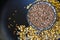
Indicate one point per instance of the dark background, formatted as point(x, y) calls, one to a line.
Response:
point(6, 9)
point(2, 3)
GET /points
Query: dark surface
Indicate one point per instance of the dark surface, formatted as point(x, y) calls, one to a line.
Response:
point(7, 8)
point(2, 3)
point(59, 39)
